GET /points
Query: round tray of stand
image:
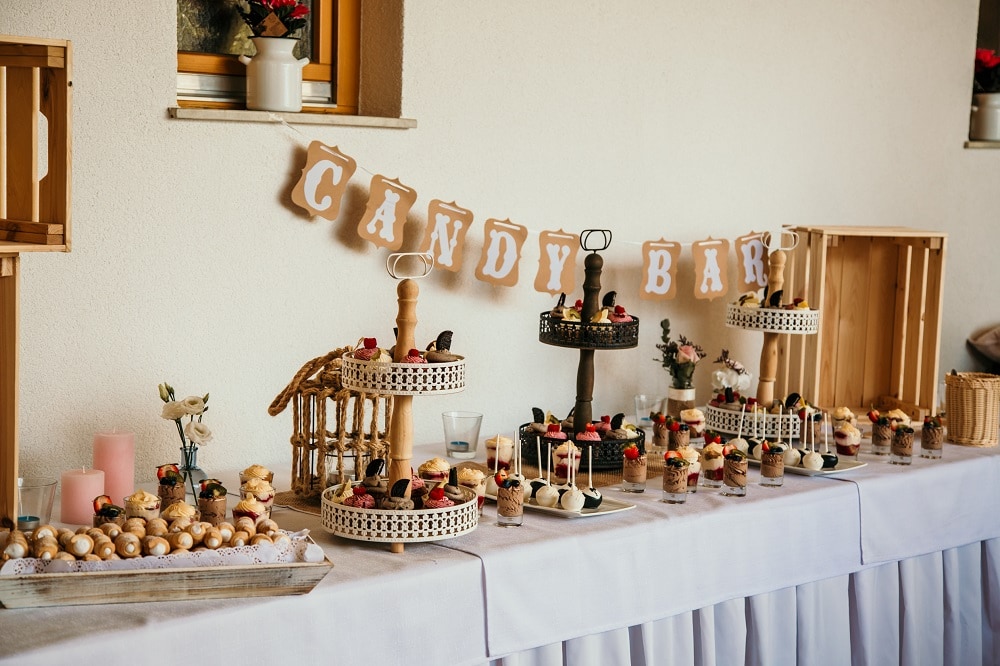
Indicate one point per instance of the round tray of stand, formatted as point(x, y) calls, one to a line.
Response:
point(403, 378)
point(728, 421)
point(581, 335)
point(773, 320)
point(391, 526)
point(607, 452)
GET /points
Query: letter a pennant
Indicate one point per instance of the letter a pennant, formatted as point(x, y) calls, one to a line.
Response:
point(388, 203)
point(501, 252)
point(711, 259)
point(556, 261)
point(444, 236)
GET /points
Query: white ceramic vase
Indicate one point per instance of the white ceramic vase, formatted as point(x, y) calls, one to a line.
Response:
point(984, 124)
point(274, 75)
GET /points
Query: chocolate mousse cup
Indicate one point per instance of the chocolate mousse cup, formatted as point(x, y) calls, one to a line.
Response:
point(881, 439)
point(213, 509)
point(930, 442)
point(675, 484)
point(170, 494)
point(734, 477)
point(902, 447)
point(661, 435)
point(634, 475)
point(772, 469)
point(510, 506)
point(679, 439)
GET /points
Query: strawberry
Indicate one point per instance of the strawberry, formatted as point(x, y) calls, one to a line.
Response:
point(670, 454)
point(437, 493)
point(764, 447)
point(360, 490)
point(721, 397)
point(206, 482)
point(715, 439)
point(100, 501)
point(619, 310)
point(162, 470)
point(873, 415)
point(590, 427)
point(631, 452)
point(675, 426)
point(727, 449)
point(751, 401)
point(371, 343)
point(606, 419)
point(500, 477)
point(578, 305)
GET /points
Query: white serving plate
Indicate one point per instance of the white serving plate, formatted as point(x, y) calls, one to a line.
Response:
point(608, 505)
point(842, 466)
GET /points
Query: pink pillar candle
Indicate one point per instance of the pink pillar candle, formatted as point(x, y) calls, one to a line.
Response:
point(114, 454)
point(79, 488)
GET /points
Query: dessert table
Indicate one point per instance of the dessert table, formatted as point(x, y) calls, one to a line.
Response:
point(878, 565)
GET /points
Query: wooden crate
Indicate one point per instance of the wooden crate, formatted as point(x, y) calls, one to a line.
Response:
point(35, 83)
point(879, 291)
point(35, 80)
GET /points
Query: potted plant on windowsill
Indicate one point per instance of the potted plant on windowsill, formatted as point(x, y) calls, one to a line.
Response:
point(984, 124)
point(274, 75)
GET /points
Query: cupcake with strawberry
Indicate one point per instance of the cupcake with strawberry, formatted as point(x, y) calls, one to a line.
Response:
point(212, 501)
point(436, 499)
point(171, 484)
point(590, 433)
point(633, 469)
point(359, 498)
point(368, 351)
point(414, 356)
point(931, 437)
point(619, 316)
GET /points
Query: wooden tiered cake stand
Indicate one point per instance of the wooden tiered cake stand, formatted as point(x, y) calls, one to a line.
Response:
point(588, 337)
point(773, 322)
point(404, 381)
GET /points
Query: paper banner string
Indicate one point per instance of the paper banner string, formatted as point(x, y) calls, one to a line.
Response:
point(323, 183)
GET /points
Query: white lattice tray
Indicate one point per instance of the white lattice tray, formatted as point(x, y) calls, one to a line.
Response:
point(389, 526)
point(773, 320)
point(728, 421)
point(403, 378)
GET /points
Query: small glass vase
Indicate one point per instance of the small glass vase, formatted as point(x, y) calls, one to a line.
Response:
point(189, 468)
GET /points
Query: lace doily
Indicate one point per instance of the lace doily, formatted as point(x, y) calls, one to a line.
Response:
point(300, 549)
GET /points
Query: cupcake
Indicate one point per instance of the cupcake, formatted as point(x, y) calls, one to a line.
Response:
point(437, 500)
point(589, 434)
point(847, 439)
point(260, 490)
point(256, 472)
point(435, 469)
point(360, 499)
point(141, 504)
point(474, 479)
point(842, 415)
point(179, 510)
point(377, 485)
point(252, 508)
point(565, 455)
point(603, 426)
point(414, 356)
point(397, 500)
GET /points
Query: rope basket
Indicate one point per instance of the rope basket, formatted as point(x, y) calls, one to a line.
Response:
point(973, 403)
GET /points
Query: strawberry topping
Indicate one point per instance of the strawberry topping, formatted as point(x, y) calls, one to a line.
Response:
point(371, 343)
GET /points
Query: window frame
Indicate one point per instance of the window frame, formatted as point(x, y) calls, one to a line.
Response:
point(337, 43)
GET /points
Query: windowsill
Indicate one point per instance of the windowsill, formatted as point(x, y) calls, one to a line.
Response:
point(243, 116)
point(982, 144)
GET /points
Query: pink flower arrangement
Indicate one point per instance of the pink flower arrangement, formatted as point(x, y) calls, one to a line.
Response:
point(987, 75)
point(679, 357)
point(290, 13)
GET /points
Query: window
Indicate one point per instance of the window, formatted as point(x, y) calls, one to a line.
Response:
point(211, 36)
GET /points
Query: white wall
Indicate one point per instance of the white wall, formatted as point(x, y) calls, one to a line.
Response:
point(671, 119)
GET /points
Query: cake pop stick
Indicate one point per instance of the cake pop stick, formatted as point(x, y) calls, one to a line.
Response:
point(496, 456)
point(826, 435)
point(548, 466)
point(538, 453)
point(743, 413)
point(590, 466)
point(756, 424)
point(780, 416)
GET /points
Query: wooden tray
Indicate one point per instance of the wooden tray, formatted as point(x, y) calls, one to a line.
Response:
point(117, 587)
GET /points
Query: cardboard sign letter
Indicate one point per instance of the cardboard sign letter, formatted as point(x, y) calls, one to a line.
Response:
point(501, 252)
point(659, 266)
point(385, 215)
point(324, 181)
point(710, 268)
point(751, 254)
point(444, 236)
point(556, 261)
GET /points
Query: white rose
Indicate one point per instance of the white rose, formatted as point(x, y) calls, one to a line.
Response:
point(173, 410)
point(198, 432)
point(193, 405)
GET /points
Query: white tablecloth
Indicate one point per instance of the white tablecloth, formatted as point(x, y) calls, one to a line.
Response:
point(879, 566)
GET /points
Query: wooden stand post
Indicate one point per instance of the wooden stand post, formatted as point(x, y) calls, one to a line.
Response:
point(769, 353)
point(401, 428)
point(583, 410)
point(9, 314)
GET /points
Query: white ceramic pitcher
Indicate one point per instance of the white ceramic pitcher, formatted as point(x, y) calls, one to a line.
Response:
point(984, 124)
point(274, 76)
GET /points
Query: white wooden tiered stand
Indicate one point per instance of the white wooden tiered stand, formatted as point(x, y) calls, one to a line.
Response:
point(773, 322)
point(404, 381)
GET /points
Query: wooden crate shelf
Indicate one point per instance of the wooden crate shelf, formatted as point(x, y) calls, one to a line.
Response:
point(880, 292)
point(35, 83)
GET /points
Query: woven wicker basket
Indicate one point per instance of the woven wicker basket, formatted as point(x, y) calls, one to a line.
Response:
point(973, 403)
